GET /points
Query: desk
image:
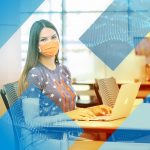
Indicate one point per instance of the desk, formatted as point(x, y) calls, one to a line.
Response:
point(105, 128)
point(94, 93)
point(96, 145)
point(143, 91)
point(87, 94)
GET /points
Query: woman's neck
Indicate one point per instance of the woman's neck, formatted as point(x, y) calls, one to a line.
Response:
point(49, 62)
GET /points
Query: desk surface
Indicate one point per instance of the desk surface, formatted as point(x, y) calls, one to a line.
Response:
point(95, 145)
point(99, 126)
point(105, 125)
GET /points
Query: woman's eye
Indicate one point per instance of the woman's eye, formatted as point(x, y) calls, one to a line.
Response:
point(54, 37)
point(43, 40)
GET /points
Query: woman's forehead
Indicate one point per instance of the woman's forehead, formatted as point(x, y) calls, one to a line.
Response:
point(47, 32)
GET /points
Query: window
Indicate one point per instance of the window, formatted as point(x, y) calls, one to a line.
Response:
point(72, 18)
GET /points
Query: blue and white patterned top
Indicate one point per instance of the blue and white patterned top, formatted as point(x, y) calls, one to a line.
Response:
point(55, 84)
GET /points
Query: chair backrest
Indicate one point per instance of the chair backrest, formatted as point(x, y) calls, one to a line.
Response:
point(108, 89)
point(10, 91)
point(96, 88)
point(9, 96)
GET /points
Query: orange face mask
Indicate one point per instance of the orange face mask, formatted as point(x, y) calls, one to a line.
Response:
point(50, 48)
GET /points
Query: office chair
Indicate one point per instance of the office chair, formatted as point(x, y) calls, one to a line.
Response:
point(108, 90)
point(9, 96)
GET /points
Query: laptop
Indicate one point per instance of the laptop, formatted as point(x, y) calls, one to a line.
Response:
point(123, 104)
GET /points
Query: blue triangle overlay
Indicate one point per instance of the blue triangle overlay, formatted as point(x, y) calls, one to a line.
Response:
point(118, 30)
point(13, 14)
point(134, 133)
point(125, 146)
point(18, 131)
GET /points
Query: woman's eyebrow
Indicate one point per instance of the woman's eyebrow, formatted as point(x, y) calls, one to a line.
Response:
point(47, 36)
point(54, 34)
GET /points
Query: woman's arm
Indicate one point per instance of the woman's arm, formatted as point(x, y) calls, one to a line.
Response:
point(31, 112)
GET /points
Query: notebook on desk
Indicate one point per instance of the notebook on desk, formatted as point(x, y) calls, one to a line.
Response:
point(123, 104)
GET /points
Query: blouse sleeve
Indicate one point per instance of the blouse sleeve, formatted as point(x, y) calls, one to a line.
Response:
point(31, 113)
point(34, 78)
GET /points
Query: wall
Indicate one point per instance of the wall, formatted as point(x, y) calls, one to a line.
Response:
point(10, 60)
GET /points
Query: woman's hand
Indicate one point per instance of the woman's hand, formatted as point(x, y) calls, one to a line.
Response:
point(81, 114)
point(101, 110)
point(90, 112)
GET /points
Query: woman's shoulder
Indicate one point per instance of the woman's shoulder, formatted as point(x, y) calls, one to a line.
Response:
point(35, 77)
point(34, 71)
point(64, 69)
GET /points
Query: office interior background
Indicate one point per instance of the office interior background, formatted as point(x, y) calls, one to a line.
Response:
point(72, 18)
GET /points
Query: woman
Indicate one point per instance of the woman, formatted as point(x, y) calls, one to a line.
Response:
point(43, 70)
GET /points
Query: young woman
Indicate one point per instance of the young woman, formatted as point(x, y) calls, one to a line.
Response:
point(43, 70)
